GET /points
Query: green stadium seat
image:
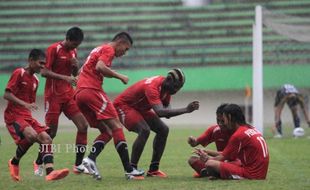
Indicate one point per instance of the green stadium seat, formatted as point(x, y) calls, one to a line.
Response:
point(164, 31)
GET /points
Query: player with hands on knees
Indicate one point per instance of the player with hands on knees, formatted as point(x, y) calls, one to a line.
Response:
point(288, 94)
point(140, 108)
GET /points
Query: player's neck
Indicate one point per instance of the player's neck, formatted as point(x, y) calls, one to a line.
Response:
point(64, 44)
point(29, 70)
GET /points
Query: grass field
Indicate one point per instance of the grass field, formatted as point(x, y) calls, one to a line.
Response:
point(288, 168)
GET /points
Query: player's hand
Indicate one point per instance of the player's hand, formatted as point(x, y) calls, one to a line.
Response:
point(192, 106)
point(75, 66)
point(74, 62)
point(31, 107)
point(124, 79)
point(72, 80)
point(192, 141)
point(202, 154)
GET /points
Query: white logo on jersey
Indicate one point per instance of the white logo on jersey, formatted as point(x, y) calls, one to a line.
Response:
point(47, 105)
point(149, 80)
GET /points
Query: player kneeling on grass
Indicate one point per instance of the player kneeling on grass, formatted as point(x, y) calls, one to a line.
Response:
point(140, 107)
point(218, 134)
point(25, 130)
point(246, 144)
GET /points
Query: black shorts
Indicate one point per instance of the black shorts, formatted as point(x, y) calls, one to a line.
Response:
point(291, 102)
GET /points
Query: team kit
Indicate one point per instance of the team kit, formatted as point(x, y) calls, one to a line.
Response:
point(78, 92)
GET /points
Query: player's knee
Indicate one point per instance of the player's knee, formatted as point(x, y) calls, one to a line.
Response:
point(82, 126)
point(44, 138)
point(210, 163)
point(164, 130)
point(31, 137)
point(192, 160)
point(52, 133)
point(145, 132)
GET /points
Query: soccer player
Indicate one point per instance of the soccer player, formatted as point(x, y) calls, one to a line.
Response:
point(60, 71)
point(246, 144)
point(24, 129)
point(140, 107)
point(96, 106)
point(217, 134)
point(290, 95)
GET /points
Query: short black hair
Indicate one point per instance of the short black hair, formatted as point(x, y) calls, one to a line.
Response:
point(36, 54)
point(236, 113)
point(220, 109)
point(123, 36)
point(75, 34)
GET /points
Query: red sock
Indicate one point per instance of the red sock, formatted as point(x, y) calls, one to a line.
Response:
point(118, 135)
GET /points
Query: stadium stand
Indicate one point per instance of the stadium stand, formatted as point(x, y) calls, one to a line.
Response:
point(165, 32)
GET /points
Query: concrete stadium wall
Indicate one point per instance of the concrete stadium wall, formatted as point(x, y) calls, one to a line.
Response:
point(208, 78)
point(210, 85)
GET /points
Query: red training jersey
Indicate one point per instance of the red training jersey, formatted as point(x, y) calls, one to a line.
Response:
point(214, 134)
point(89, 77)
point(249, 146)
point(24, 86)
point(144, 94)
point(58, 60)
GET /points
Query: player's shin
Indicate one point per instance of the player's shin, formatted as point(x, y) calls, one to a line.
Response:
point(98, 145)
point(137, 149)
point(296, 122)
point(159, 145)
point(121, 147)
point(279, 127)
point(21, 150)
point(122, 150)
point(209, 171)
point(47, 157)
point(39, 159)
point(80, 145)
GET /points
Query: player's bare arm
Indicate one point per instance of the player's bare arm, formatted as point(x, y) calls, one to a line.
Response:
point(107, 72)
point(50, 74)
point(162, 111)
point(11, 97)
point(192, 141)
point(212, 152)
point(278, 109)
point(203, 155)
point(75, 66)
point(304, 109)
point(219, 157)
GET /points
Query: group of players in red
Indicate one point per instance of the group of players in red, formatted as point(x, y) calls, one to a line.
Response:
point(138, 109)
point(242, 152)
